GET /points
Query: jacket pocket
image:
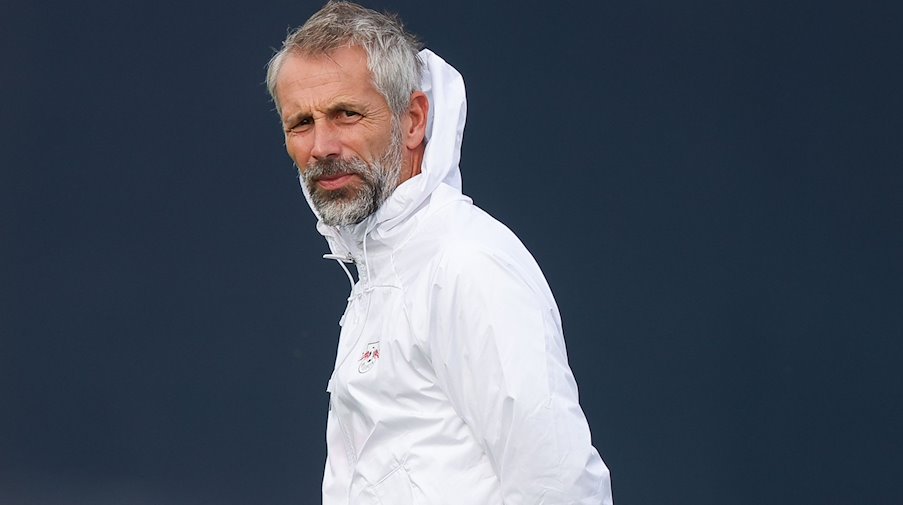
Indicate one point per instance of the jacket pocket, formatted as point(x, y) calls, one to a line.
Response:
point(394, 488)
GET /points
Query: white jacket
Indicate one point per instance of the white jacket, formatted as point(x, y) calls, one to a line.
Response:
point(451, 383)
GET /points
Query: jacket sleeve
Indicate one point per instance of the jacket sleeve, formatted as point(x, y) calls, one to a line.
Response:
point(498, 350)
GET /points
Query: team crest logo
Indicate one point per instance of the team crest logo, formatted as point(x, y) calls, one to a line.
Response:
point(369, 357)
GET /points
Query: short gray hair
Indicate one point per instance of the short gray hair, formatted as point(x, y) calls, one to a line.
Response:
point(391, 51)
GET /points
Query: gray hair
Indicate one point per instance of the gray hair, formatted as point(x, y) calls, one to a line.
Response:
point(391, 51)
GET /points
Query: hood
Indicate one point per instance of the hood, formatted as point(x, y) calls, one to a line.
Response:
point(444, 88)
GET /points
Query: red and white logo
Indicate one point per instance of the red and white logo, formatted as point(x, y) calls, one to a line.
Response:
point(369, 357)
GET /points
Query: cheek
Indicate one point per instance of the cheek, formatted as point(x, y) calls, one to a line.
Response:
point(297, 150)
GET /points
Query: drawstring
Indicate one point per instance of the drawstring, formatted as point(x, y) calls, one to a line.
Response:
point(367, 265)
point(341, 260)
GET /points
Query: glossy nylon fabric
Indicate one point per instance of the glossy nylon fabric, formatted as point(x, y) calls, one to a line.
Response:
point(451, 383)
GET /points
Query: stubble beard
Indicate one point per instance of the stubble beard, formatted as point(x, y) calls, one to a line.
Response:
point(353, 202)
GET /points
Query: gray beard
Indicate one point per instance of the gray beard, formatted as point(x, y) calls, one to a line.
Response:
point(352, 203)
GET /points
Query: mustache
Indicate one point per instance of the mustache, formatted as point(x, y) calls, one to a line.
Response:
point(330, 167)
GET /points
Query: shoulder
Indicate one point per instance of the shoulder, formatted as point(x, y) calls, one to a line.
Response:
point(476, 250)
point(455, 241)
point(465, 235)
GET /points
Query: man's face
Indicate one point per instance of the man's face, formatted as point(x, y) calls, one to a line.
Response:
point(340, 133)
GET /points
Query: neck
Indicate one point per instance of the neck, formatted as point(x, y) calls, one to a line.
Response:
point(416, 159)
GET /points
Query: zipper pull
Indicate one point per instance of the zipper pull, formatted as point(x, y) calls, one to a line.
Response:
point(348, 258)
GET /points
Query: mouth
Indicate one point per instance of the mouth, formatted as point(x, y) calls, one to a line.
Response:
point(332, 182)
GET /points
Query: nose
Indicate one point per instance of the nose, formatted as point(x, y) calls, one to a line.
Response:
point(326, 141)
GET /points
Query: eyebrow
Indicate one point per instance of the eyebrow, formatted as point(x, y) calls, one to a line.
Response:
point(295, 117)
point(330, 111)
point(339, 106)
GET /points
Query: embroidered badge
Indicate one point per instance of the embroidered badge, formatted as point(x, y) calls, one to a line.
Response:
point(369, 357)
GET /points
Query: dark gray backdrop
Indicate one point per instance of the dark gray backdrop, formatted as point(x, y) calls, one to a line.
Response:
point(712, 189)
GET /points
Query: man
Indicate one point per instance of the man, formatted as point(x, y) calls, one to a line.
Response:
point(451, 383)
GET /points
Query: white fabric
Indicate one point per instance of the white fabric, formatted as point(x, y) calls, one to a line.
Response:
point(470, 400)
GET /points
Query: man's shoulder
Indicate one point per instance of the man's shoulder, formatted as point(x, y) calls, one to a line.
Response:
point(463, 249)
point(467, 240)
point(462, 228)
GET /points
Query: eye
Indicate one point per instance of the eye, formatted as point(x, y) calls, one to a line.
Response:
point(347, 116)
point(301, 125)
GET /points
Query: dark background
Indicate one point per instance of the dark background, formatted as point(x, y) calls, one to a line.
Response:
point(713, 190)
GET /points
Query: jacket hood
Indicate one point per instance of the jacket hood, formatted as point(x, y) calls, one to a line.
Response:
point(444, 88)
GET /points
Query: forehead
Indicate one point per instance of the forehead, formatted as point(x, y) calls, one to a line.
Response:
point(309, 81)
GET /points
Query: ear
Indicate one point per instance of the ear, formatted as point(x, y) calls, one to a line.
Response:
point(414, 122)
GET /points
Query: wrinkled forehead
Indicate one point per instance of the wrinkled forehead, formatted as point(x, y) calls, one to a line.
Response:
point(347, 62)
point(319, 84)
